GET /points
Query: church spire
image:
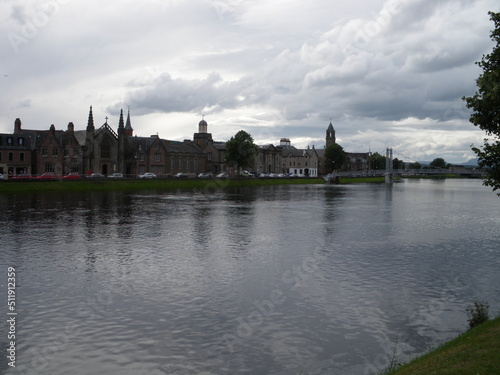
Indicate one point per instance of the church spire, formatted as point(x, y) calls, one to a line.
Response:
point(330, 135)
point(120, 123)
point(90, 122)
point(128, 126)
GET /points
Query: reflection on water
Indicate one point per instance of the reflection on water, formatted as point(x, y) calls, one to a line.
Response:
point(273, 280)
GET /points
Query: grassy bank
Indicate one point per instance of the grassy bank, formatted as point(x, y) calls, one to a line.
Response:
point(159, 184)
point(473, 352)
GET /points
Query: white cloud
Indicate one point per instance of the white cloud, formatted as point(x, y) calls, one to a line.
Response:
point(388, 73)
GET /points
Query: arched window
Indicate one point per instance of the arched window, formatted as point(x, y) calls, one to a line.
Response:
point(105, 149)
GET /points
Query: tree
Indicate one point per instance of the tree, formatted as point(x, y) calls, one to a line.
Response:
point(485, 104)
point(438, 163)
point(335, 157)
point(416, 165)
point(376, 161)
point(398, 164)
point(240, 150)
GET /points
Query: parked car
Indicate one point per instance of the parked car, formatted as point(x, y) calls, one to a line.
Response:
point(47, 176)
point(147, 175)
point(222, 175)
point(246, 174)
point(204, 175)
point(1, 177)
point(181, 175)
point(96, 175)
point(23, 176)
point(115, 175)
point(72, 176)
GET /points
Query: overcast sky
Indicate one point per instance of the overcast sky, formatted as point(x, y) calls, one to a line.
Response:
point(386, 73)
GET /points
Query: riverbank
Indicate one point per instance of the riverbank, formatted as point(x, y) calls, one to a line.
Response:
point(473, 352)
point(156, 184)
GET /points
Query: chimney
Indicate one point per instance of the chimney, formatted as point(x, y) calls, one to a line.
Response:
point(17, 126)
point(71, 128)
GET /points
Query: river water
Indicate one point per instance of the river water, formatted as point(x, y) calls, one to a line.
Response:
point(304, 279)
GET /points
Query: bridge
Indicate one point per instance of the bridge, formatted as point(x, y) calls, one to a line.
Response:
point(389, 172)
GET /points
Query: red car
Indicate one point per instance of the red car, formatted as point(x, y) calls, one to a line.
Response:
point(23, 176)
point(47, 177)
point(72, 176)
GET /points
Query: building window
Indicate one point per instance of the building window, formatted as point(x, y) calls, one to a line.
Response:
point(209, 156)
point(1, 141)
point(0, 155)
point(21, 156)
point(55, 153)
point(172, 162)
point(75, 153)
point(66, 152)
point(49, 167)
point(157, 147)
point(157, 158)
point(10, 141)
point(11, 156)
point(187, 165)
point(142, 169)
point(45, 152)
point(75, 168)
point(105, 148)
point(20, 141)
point(180, 164)
point(195, 164)
point(306, 163)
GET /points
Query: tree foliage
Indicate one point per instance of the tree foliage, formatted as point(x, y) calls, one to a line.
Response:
point(240, 150)
point(438, 163)
point(485, 104)
point(416, 165)
point(335, 157)
point(376, 161)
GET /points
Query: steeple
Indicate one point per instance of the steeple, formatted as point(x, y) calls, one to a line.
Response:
point(330, 135)
point(90, 122)
point(121, 126)
point(128, 127)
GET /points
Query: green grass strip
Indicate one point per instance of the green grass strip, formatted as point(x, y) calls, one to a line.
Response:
point(476, 351)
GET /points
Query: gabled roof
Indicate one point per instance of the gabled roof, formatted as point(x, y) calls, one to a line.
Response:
point(106, 127)
point(180, 147)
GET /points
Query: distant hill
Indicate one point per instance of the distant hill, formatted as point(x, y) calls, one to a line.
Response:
point(469, 163)
point(472, 162)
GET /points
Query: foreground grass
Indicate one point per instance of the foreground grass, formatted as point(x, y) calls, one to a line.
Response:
point(159, 184)
point(475, 352)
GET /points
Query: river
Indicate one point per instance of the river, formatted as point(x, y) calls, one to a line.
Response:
point(292, 279)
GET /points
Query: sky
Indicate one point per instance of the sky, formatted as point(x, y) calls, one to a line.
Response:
point(385, 73)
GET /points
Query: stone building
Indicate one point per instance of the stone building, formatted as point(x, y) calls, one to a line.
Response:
point(38, 151)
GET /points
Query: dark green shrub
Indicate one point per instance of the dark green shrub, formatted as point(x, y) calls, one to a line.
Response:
point(477, 313)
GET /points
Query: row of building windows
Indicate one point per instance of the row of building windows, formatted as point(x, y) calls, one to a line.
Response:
point(10, 141)
point(10, 156)
point(50, 167)
point(184, 165)
point(55, 153)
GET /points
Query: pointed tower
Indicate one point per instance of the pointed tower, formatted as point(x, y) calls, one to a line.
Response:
point(128, 127)
point(121, 124)
point(88, 156)
point(90, 121)
point(330, 135)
